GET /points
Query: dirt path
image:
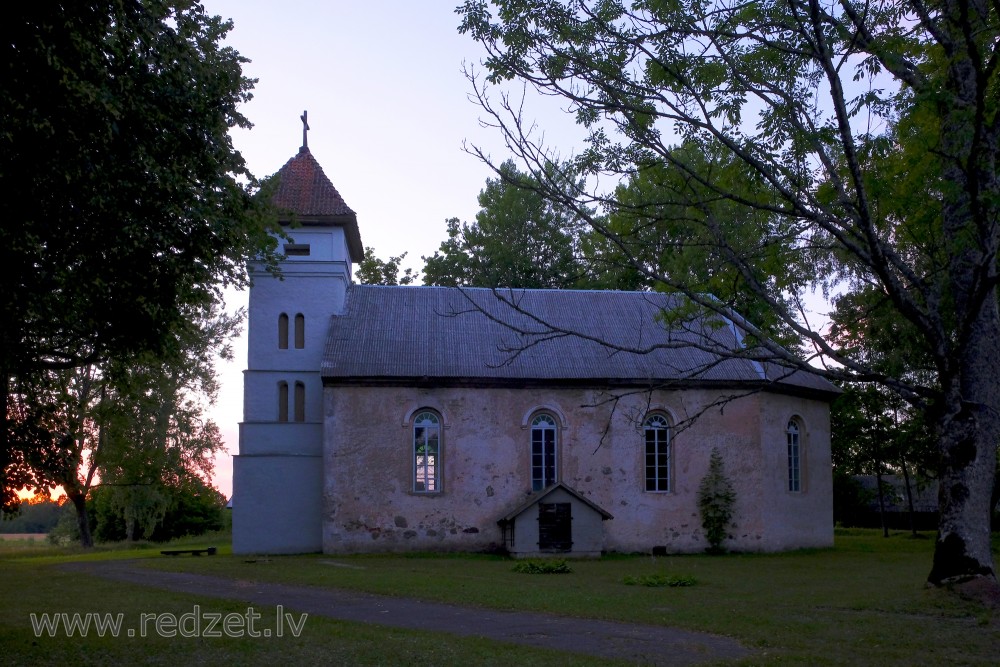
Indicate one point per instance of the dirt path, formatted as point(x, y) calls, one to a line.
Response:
point(638, 644)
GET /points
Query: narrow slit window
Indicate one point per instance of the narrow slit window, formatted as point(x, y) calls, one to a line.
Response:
point(296, 249)
point(282, 401)
point(300, 402)
point(300, 331)
point(283, 331)
point(794, 457)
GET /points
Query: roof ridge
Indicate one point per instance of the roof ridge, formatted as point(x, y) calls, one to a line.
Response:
point(544, 290)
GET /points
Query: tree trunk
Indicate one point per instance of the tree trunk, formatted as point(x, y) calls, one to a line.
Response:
point(995, 499)
point(881, 499)
point(79, 501)
point(878, 484)
point(963, 543)
point(968, 434)
point(968, 416)
point(7, 494)
point(909, 497)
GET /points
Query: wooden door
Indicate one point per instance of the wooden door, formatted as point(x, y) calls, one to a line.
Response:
point(555, 527)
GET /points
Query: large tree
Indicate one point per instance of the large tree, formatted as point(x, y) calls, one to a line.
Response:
point(858, 145)
point(135, 426)
point(519, 238)
point(125, 205)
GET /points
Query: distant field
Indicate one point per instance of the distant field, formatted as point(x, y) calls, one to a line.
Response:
point(30, 537)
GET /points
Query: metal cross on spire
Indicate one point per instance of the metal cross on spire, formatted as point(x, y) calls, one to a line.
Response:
point(305, 128)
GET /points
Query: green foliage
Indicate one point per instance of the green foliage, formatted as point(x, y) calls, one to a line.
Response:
point(666, 229)
point(542, 566)
point(873, 432)
point(850, 498)
point(193, 508)
point(660, 580)
point(374, 271)
point(137, 426)
point(799, 150)
point(141, 95)
point(33, 517)
point(519, 238)
point(67, 528)
point(873, 428)
point(127, 512)
point(128, 208)
point(716, 499)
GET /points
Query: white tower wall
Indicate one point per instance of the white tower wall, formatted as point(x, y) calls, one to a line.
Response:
point(278, 474)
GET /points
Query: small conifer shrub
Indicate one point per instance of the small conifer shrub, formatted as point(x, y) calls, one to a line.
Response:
point(716, 498)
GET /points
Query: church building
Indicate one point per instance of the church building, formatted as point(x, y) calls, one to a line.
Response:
point(389, 419)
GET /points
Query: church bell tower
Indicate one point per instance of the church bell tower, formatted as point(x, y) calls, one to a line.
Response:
point(278, 474)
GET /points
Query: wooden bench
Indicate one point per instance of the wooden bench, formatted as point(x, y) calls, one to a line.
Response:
point(194, 552)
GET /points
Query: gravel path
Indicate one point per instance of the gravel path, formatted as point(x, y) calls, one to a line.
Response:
point(638, 644)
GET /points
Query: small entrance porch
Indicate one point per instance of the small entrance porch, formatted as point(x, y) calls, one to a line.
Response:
point(555, 521)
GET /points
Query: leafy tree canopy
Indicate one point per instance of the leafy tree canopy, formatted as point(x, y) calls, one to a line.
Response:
point(123, 196)
point(190, 508)
point(519, 239)
point(137, 427)
point(374, 271)
point(766, 149)
point(126, 208)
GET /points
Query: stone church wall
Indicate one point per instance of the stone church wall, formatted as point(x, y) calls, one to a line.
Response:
point(369, 503)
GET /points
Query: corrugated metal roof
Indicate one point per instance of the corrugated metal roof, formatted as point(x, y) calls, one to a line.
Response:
point(396, 333)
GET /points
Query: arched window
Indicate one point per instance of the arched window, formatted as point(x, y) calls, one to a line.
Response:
point(283, 331)
point(794, 456)
point(300, 402)
point(543, 452)
point(282, 401)
point(656, 430)
point(300, 331)
point(426, 452)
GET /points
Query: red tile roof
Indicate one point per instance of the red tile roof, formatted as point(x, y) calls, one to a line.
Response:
point(304, 189)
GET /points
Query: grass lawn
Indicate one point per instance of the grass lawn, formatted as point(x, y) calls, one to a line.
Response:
point(862, 602)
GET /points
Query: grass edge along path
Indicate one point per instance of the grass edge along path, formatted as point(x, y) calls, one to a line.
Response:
point(27, 588)
point(862, 602)
point(637, 645)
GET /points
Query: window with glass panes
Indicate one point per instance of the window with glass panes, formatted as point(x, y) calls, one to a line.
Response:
point(543, 452)
point(794, 457)
point(426, 452)
point(656, 430)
